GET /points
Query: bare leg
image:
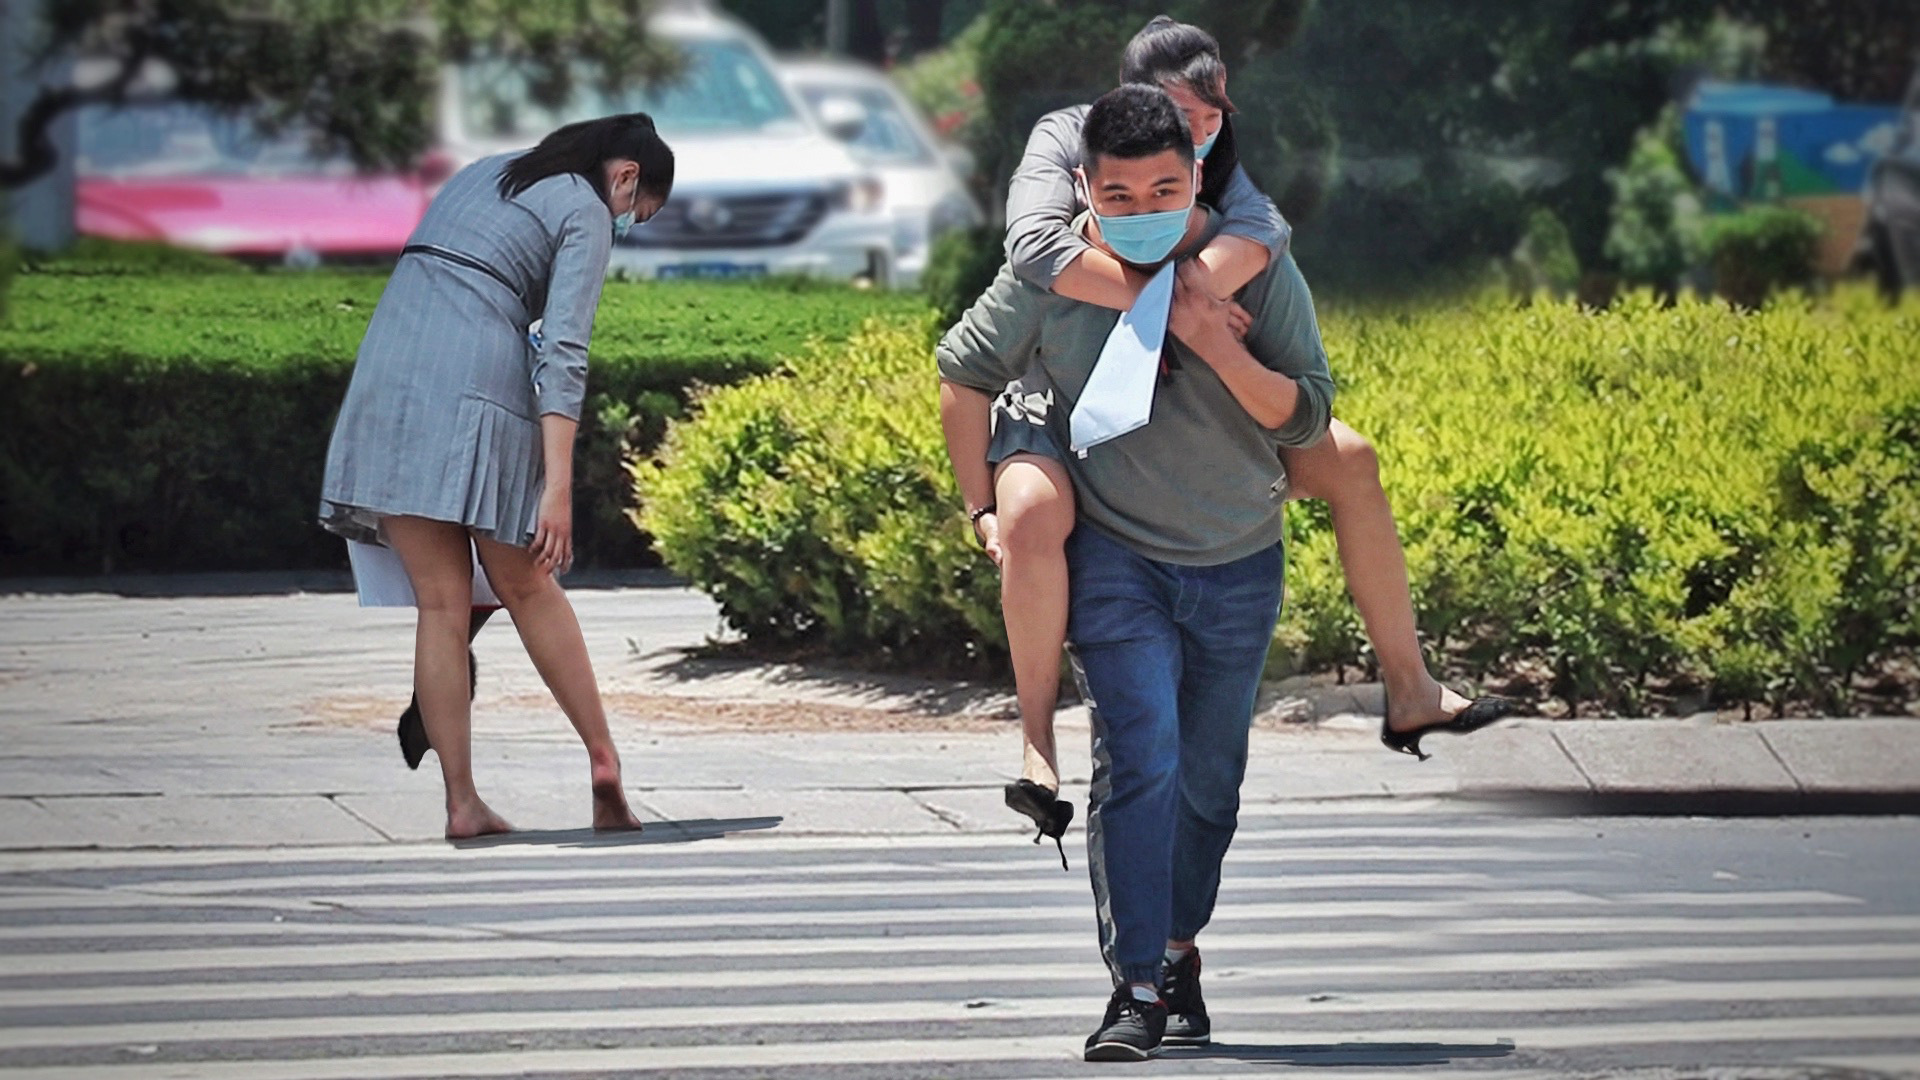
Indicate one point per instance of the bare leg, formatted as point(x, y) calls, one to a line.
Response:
point(551, 634)
point(1035, 501)
point(1344, 471)
point(440, 567)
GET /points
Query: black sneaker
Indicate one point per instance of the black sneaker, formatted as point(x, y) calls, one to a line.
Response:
point(1131, 1031)
point(1187, 1023)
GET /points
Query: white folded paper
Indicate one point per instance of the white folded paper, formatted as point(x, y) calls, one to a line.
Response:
point(1118, 397)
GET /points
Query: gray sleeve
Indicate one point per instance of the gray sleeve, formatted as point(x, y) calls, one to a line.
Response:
point(1041, 202)
point(585, 242)
point(1249, 213)
point(992, 343)
point(1286, 338)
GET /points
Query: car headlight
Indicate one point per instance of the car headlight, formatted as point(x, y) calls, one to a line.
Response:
point(862, 196)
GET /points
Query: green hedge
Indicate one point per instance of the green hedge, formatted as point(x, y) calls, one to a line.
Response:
point(1631, 507)
point(1760, 251)
point(161, 414)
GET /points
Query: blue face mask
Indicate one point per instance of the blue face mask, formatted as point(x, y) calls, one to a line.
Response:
point(1200, 152)
point(623, 222)
point(1143, 239)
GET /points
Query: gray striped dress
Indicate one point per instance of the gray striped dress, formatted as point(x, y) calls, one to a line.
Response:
point(442, 417)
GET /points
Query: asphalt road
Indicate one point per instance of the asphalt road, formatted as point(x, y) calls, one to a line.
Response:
point(1382, 938)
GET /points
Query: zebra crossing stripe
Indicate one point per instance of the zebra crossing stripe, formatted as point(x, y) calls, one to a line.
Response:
point(1453, 1005)
point(1294, 1042)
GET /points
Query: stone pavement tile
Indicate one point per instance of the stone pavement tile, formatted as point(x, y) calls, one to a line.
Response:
point(279, 770)
point(409, 812)
point(25, 823)
point(1848, 755)
point(1678, 756)
point(1298, 773)
point(891, 759)
point(801, 811)
point(24, 776)
point(198, 821)
point(1522, 756)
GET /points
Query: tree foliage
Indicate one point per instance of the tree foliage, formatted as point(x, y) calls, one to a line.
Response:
point(358, 76)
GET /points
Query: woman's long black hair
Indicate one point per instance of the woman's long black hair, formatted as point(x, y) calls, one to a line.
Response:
point(585, 148)
point(1164, 52)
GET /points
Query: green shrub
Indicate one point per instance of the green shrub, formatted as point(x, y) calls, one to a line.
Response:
point(1654, 234)
point(1628, 503)
point(92, 256)
point(179, 421)
point(962, 265)
point(1760, 251)
point(945, 84)
point(1544, 260)
point(9, 260)
point(816, 506)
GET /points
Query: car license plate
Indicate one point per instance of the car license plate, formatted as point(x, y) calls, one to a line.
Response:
point(713, 270)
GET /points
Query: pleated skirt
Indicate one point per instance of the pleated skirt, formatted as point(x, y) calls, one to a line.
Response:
point(440, 420)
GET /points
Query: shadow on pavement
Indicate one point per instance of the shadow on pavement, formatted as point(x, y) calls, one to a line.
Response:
point(928, 693)
point(1381, 1054)
point(656, 832)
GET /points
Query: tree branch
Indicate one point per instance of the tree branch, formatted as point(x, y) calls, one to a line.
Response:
point(37, 155)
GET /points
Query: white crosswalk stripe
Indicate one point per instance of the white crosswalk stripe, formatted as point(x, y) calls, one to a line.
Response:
point(1471, 947)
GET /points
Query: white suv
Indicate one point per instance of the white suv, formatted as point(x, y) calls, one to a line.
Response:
point(759, 187)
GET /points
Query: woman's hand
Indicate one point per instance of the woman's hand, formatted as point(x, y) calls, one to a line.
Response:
point(552, 545)
point(1199, 318)
point(1197, 277)
point(987, 529)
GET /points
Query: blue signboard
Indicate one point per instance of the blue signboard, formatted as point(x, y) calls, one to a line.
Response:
point(1750, 141)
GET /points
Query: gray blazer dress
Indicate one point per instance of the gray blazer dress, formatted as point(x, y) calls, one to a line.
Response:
point(442, 417)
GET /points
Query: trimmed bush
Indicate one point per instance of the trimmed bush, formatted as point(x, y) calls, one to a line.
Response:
point(1648, 507)
point(816, 506)
point(179, 420)
point(1760, 251)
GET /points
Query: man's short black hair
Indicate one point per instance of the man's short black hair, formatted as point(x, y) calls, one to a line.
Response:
point(1134, 121)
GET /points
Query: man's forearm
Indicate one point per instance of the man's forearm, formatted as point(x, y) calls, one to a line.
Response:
point(1267, 395)
point(964, 418)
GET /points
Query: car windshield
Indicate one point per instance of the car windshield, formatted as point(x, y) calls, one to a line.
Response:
point(724, 87)
point(174, 138)
point(888, 137)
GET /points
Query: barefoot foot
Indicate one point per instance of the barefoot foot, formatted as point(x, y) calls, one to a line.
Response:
point(610, 811)
point(474, 818)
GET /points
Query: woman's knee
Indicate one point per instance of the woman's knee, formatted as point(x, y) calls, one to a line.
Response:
point(517, 579)
point(1345, 461)
point(1035, 506)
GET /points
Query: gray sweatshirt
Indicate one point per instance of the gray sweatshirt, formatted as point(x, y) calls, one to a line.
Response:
point(1042, 201)
point(1201, 484)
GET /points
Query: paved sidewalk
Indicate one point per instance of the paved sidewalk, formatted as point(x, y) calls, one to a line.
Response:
point(259, 720)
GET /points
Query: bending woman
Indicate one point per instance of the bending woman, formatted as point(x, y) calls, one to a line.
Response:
point(456, 436)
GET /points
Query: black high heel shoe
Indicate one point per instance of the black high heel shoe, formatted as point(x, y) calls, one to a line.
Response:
point(1479, 714)
point(1050, 812)
point(413, 730)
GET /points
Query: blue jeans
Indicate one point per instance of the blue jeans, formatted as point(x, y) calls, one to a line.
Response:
point(1168, 658)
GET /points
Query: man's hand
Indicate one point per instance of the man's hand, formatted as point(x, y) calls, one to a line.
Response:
point(1199, 318)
